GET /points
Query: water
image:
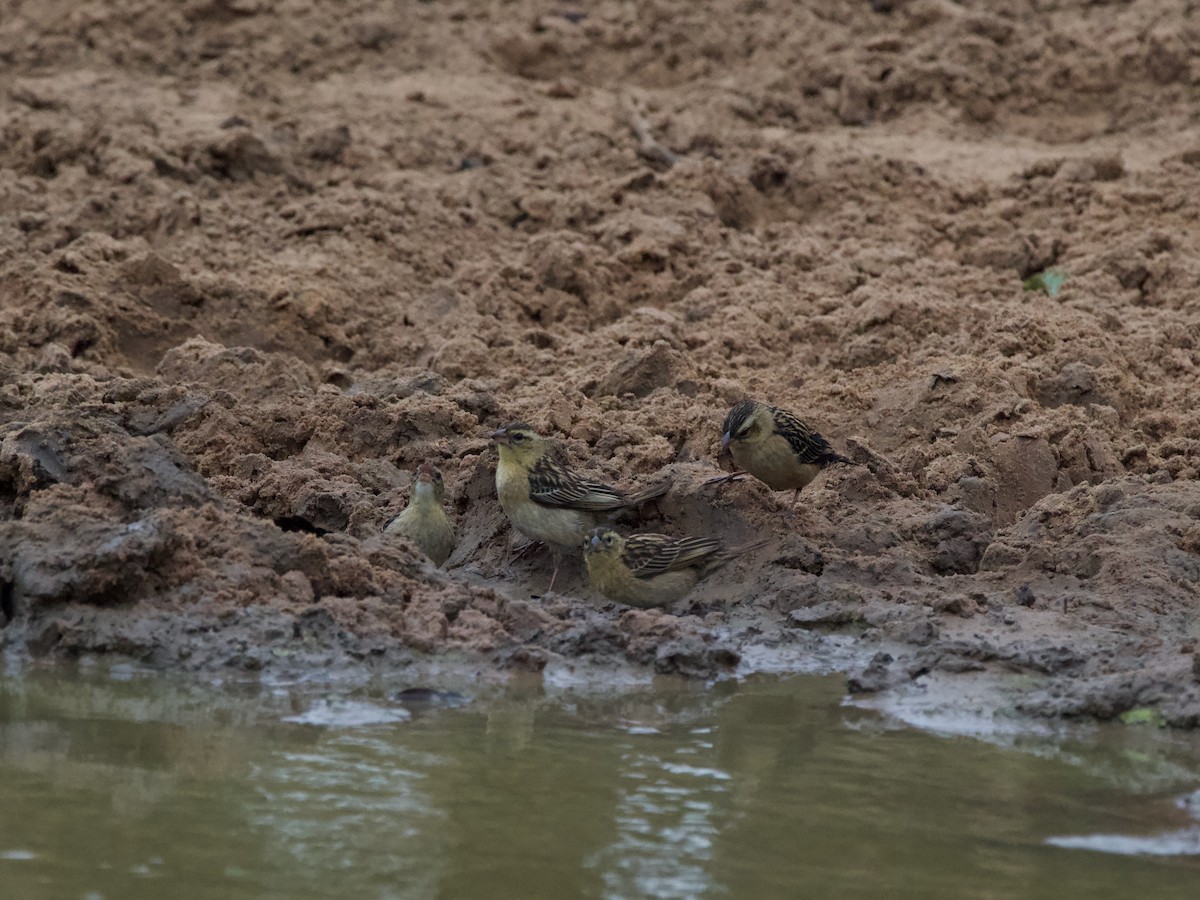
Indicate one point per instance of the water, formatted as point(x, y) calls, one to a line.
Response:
point(146, 786)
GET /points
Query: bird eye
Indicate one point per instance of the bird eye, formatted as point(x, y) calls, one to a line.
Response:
point(608, 540)
point(518, 436)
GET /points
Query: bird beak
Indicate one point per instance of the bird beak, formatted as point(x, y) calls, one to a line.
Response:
point(725, 441)
point(499, 436)
point(595, 542)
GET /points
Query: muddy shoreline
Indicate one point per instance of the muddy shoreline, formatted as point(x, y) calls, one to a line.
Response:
point(260, 259)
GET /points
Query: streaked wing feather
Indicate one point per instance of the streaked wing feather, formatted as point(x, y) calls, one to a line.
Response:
point(553, 484)
point(647, 555)
point(808, 445)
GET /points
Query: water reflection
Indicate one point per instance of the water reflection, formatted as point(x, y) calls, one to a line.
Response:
point(368, 794)
point(149, 788)
point(1176, 843)
point(665, 815)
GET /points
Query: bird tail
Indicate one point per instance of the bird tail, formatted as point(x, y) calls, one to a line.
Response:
point(831, 458)
point(748, 547)
point(731, 553)
point(637, 498)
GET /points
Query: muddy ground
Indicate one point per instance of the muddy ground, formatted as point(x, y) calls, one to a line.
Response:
point(260, 258)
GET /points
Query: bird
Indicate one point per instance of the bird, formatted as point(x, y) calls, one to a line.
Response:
point(775, 447)
point(648, 570)
point(546, 500)
point(424, 521)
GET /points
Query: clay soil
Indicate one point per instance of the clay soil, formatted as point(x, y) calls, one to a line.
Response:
point(260, 258)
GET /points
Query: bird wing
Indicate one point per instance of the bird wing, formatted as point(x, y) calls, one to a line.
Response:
point(647, 555)
point(808, 445)
point(552, 484)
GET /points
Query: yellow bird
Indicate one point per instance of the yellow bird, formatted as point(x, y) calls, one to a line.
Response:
point(652, 569)
point(424, 521)
point(775, 447)
point(546, 500)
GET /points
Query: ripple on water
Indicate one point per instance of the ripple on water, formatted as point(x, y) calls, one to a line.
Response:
point(666, 822)
point(1172, 843)
point(349, 714)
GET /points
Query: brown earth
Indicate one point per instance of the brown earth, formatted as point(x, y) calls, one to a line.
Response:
point(259, 258)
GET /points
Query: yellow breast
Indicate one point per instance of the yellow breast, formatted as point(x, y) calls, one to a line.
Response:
point(427, 526)
point(564, 527)
point(773, 462)
point(616, 582)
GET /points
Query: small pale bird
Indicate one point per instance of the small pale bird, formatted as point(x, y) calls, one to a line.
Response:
point(652, 569)
point(424, 521)
point(546, 501)
point(775, 447)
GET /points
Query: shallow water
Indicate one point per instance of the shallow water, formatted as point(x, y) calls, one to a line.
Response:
point(145, 786)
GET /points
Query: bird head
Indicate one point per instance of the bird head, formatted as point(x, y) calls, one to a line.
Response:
point(602, 542)
point(519, 443)
point(747, 423)
point(429, 482)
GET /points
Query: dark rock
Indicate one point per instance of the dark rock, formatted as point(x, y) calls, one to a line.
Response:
point(694, 657)
point(45, 640)
point(594, 636)
point(326, 510)
point(802, 592)
point(524, 658)
point(1000, 555)
point(876, 676)
point(644, 371)
point(105, 562)
point(423, 696)
point(372, 34)
point(1049, 659)
point(239, 156)
point(951, 656)
point(797, 553)
point(949, 662)
point(959, 537)
point(1077, 384)
point(828, 613)
point(920, 633)
point(1028, 467)
point(327, 145)
point(964, 606)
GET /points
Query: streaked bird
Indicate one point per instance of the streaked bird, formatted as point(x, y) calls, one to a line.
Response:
point(548, 501)
point(653, 569)
point(775, 447)
point(424, 521)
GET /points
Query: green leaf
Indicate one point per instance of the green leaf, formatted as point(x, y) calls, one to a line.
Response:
point(1049, 282)
point(1143, 715)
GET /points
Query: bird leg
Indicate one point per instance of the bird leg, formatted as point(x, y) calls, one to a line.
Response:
point(557, 556)
point(725, 479)
point(521, 551)
point(792, 513)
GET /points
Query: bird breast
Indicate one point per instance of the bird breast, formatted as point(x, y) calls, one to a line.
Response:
point(426, 525)
point(774, 462)
point(617, 583)
point(564, 527)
